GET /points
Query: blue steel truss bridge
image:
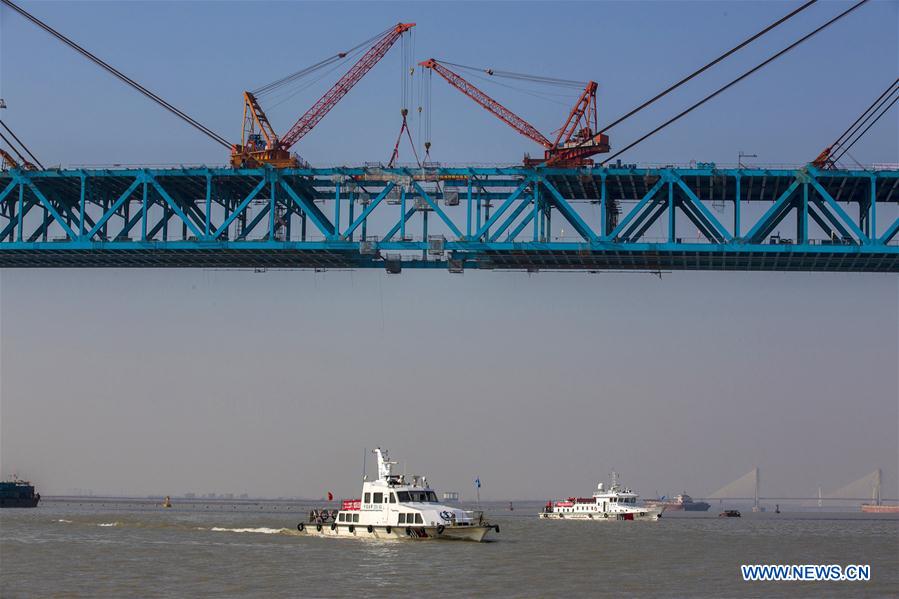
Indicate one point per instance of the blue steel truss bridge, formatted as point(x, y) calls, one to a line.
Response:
point(529, 219)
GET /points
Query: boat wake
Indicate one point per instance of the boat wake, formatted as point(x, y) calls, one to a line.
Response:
point(262, 530)
point(109, 524)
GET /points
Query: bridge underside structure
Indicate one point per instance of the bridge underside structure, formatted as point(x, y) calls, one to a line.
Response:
point(512, 218)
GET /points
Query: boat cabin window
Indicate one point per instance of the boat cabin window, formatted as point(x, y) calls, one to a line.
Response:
point(355, 517)
point(403, 518)
point(422, 496)
point(393, 498)
point(418, 519)
point(341, 517)
point(379, 498)
point(367, 498)
point(403, 496)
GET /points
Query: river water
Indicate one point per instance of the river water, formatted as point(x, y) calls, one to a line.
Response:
point(242, 549)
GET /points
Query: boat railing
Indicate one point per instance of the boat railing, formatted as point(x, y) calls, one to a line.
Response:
point(474, 516)
point(322, 516)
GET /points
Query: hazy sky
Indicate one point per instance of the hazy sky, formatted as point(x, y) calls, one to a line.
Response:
point(212, 380)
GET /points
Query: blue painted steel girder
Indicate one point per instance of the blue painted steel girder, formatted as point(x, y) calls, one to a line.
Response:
point(508, 218)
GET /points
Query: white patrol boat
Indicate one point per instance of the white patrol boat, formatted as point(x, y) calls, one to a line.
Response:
point(614, 503)
point(396, 506)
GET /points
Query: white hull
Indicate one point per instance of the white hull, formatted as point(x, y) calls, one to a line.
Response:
point(649, 516)
point(415, 533)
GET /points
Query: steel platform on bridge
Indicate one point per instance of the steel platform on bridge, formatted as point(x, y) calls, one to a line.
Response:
point(699, 218)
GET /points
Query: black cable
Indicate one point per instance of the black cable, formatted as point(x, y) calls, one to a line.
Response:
point(24, 147)
point(885, 110)
point(862, 120)
point(13, 148)
point(179, 113)
point(745, 43)
point(708, 66)
point(738, 79)
point(870, 108)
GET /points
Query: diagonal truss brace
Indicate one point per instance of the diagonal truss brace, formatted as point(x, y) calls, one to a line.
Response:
point(49, 206)
point(317, 216)
point(567, 211)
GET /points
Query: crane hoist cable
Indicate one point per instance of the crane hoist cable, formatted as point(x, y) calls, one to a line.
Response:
point(521, 76)
point(828, 156)
point(281, 95)
point(727, 86)
point(709, 65)
point(21, 143)
point(269, 87)
point(174, 110)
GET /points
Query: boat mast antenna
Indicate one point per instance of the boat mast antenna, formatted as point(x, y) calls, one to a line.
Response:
point(364, 456)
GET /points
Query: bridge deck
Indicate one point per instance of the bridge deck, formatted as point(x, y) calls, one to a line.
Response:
point(453, 218)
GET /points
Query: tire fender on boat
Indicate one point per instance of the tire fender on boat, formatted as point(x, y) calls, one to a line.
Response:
point(408, 531)
point(496, 528)
point(370, 529)
point(318, 527)
point(440, 529)
point(352, 528)
point(333, 525)
point(388, 529)
point(300, 527)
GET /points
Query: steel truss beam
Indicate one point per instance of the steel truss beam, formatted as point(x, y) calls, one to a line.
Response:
point(489, 218)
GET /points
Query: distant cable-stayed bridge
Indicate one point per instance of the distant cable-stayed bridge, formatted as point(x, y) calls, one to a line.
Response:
point(589, 219)
point(747, 488)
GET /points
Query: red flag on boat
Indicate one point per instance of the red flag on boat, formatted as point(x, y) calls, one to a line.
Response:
point(330, 496)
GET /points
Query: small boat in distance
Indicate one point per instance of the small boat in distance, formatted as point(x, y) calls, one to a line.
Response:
point(18, 493)
point(616, 503)
point(680, 502)
point(397, 507)
point(167, 502)
point(730, 514)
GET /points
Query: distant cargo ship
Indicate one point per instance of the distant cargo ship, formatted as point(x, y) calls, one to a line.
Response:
point(18, 493)
point(879, 508)
point(682, 502)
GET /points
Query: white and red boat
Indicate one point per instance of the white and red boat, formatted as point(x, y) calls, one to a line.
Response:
point(397, 506)
point(612, 504)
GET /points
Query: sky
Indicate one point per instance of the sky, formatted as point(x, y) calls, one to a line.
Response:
point(155, 381)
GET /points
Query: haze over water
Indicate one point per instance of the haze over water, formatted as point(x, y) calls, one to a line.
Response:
point(150, 382)
point(236, 549)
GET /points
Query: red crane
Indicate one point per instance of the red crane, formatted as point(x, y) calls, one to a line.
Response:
point(577, 139)
point(264, 147)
